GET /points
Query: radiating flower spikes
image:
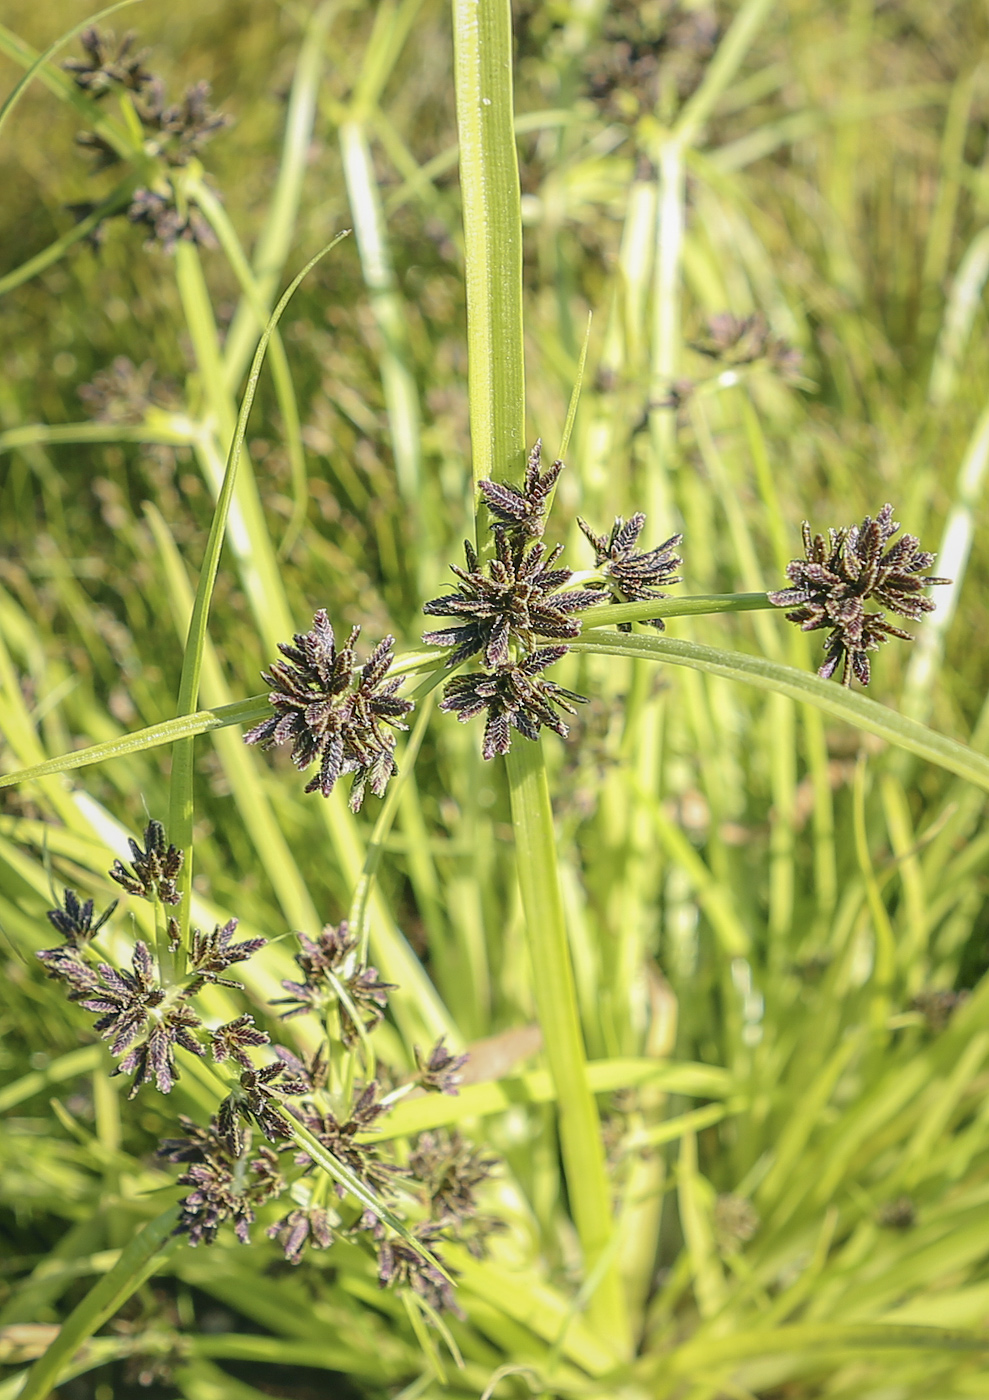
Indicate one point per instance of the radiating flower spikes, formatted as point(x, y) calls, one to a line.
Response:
point(173, 134)
point(513, 697)
point(508, 605)
point(508, 601)
point(503, 608)
point(841, 574)
point(142, 1015)
point(333, 712)
point(145, 1016)
point(523, 511)
point(633, 575)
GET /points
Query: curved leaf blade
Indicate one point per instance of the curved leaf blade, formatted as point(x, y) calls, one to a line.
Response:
point(184, 727)
point(809, 689)
point(18, 91)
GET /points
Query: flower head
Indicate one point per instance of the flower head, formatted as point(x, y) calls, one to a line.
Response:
point(227, 1185)
point(331, 977)
point(74, 920)
point(184, 127)
point(339, 1137)
point(258, 1098)
point(841, 574)
point(155, 868)
point(514, 697)
point(157, 210)
point(634, 575)
point(314, 1227)
point(312, 1071)
point(212, 953)
point(125, 392)
point(523, 511)
point(333, 713)
point(741, 340)
point(142, 1021)
point(400, 1264)
point(108, 63)
point(233, 1040)
point(512, 601)
point(439, 1070)
point(451, 1169)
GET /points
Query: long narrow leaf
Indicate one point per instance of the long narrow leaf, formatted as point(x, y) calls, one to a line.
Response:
point(52, 49)
point(498, 1095)
point(137, 1263)
point(847, 705)
point(184, 726)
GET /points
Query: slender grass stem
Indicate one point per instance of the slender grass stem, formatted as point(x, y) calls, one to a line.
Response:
point(496, 361)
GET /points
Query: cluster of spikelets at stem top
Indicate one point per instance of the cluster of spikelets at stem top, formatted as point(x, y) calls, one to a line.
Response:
point(291, 1102)
point(514, 615)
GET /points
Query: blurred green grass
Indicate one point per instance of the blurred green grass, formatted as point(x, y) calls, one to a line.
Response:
point(840, 188)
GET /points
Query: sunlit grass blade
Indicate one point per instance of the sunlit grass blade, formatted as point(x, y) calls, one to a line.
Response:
point(275, 241)
point(836, 700)
point(280, 371)
point(52, 49)
point(136, 1264)
point(181, 795)
point(416, 1115)
point(184, 726)
point(240, 763)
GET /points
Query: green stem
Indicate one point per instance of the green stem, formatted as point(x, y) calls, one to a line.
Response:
point(833, 699)
point(696, 605)
point(559, 1018)
point(489, 182)
point(482, 31)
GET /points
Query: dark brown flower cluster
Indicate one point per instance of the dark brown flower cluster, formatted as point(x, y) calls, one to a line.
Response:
point(332, 977)
point(831, 586)
point(173, 133)
point(333, 712)
point(937, 1005)
point(450, 1170)
point(125, 392)
point(632, 576)
point(507, 604)
point(651, 52)
point(144, 1017)
point(439, 1071)
point(108, 63)
point(502, 607)
point(155, 868)
point(142, 1020)
point(443, 1173)
point(513, 697)
point(289, 1101)
point(211, 954)
point(74, 921)
point(742, 340)
point(226, 1185)
point(403, 1212)
point(523, 510)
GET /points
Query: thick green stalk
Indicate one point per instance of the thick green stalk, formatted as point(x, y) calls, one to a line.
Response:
point(493, 252)
point(489, 183)
point(559, 1017)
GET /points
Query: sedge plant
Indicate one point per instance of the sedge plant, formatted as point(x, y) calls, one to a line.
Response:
point(488, 1159)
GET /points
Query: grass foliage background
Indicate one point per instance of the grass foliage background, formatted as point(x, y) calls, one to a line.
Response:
point(754, 898)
